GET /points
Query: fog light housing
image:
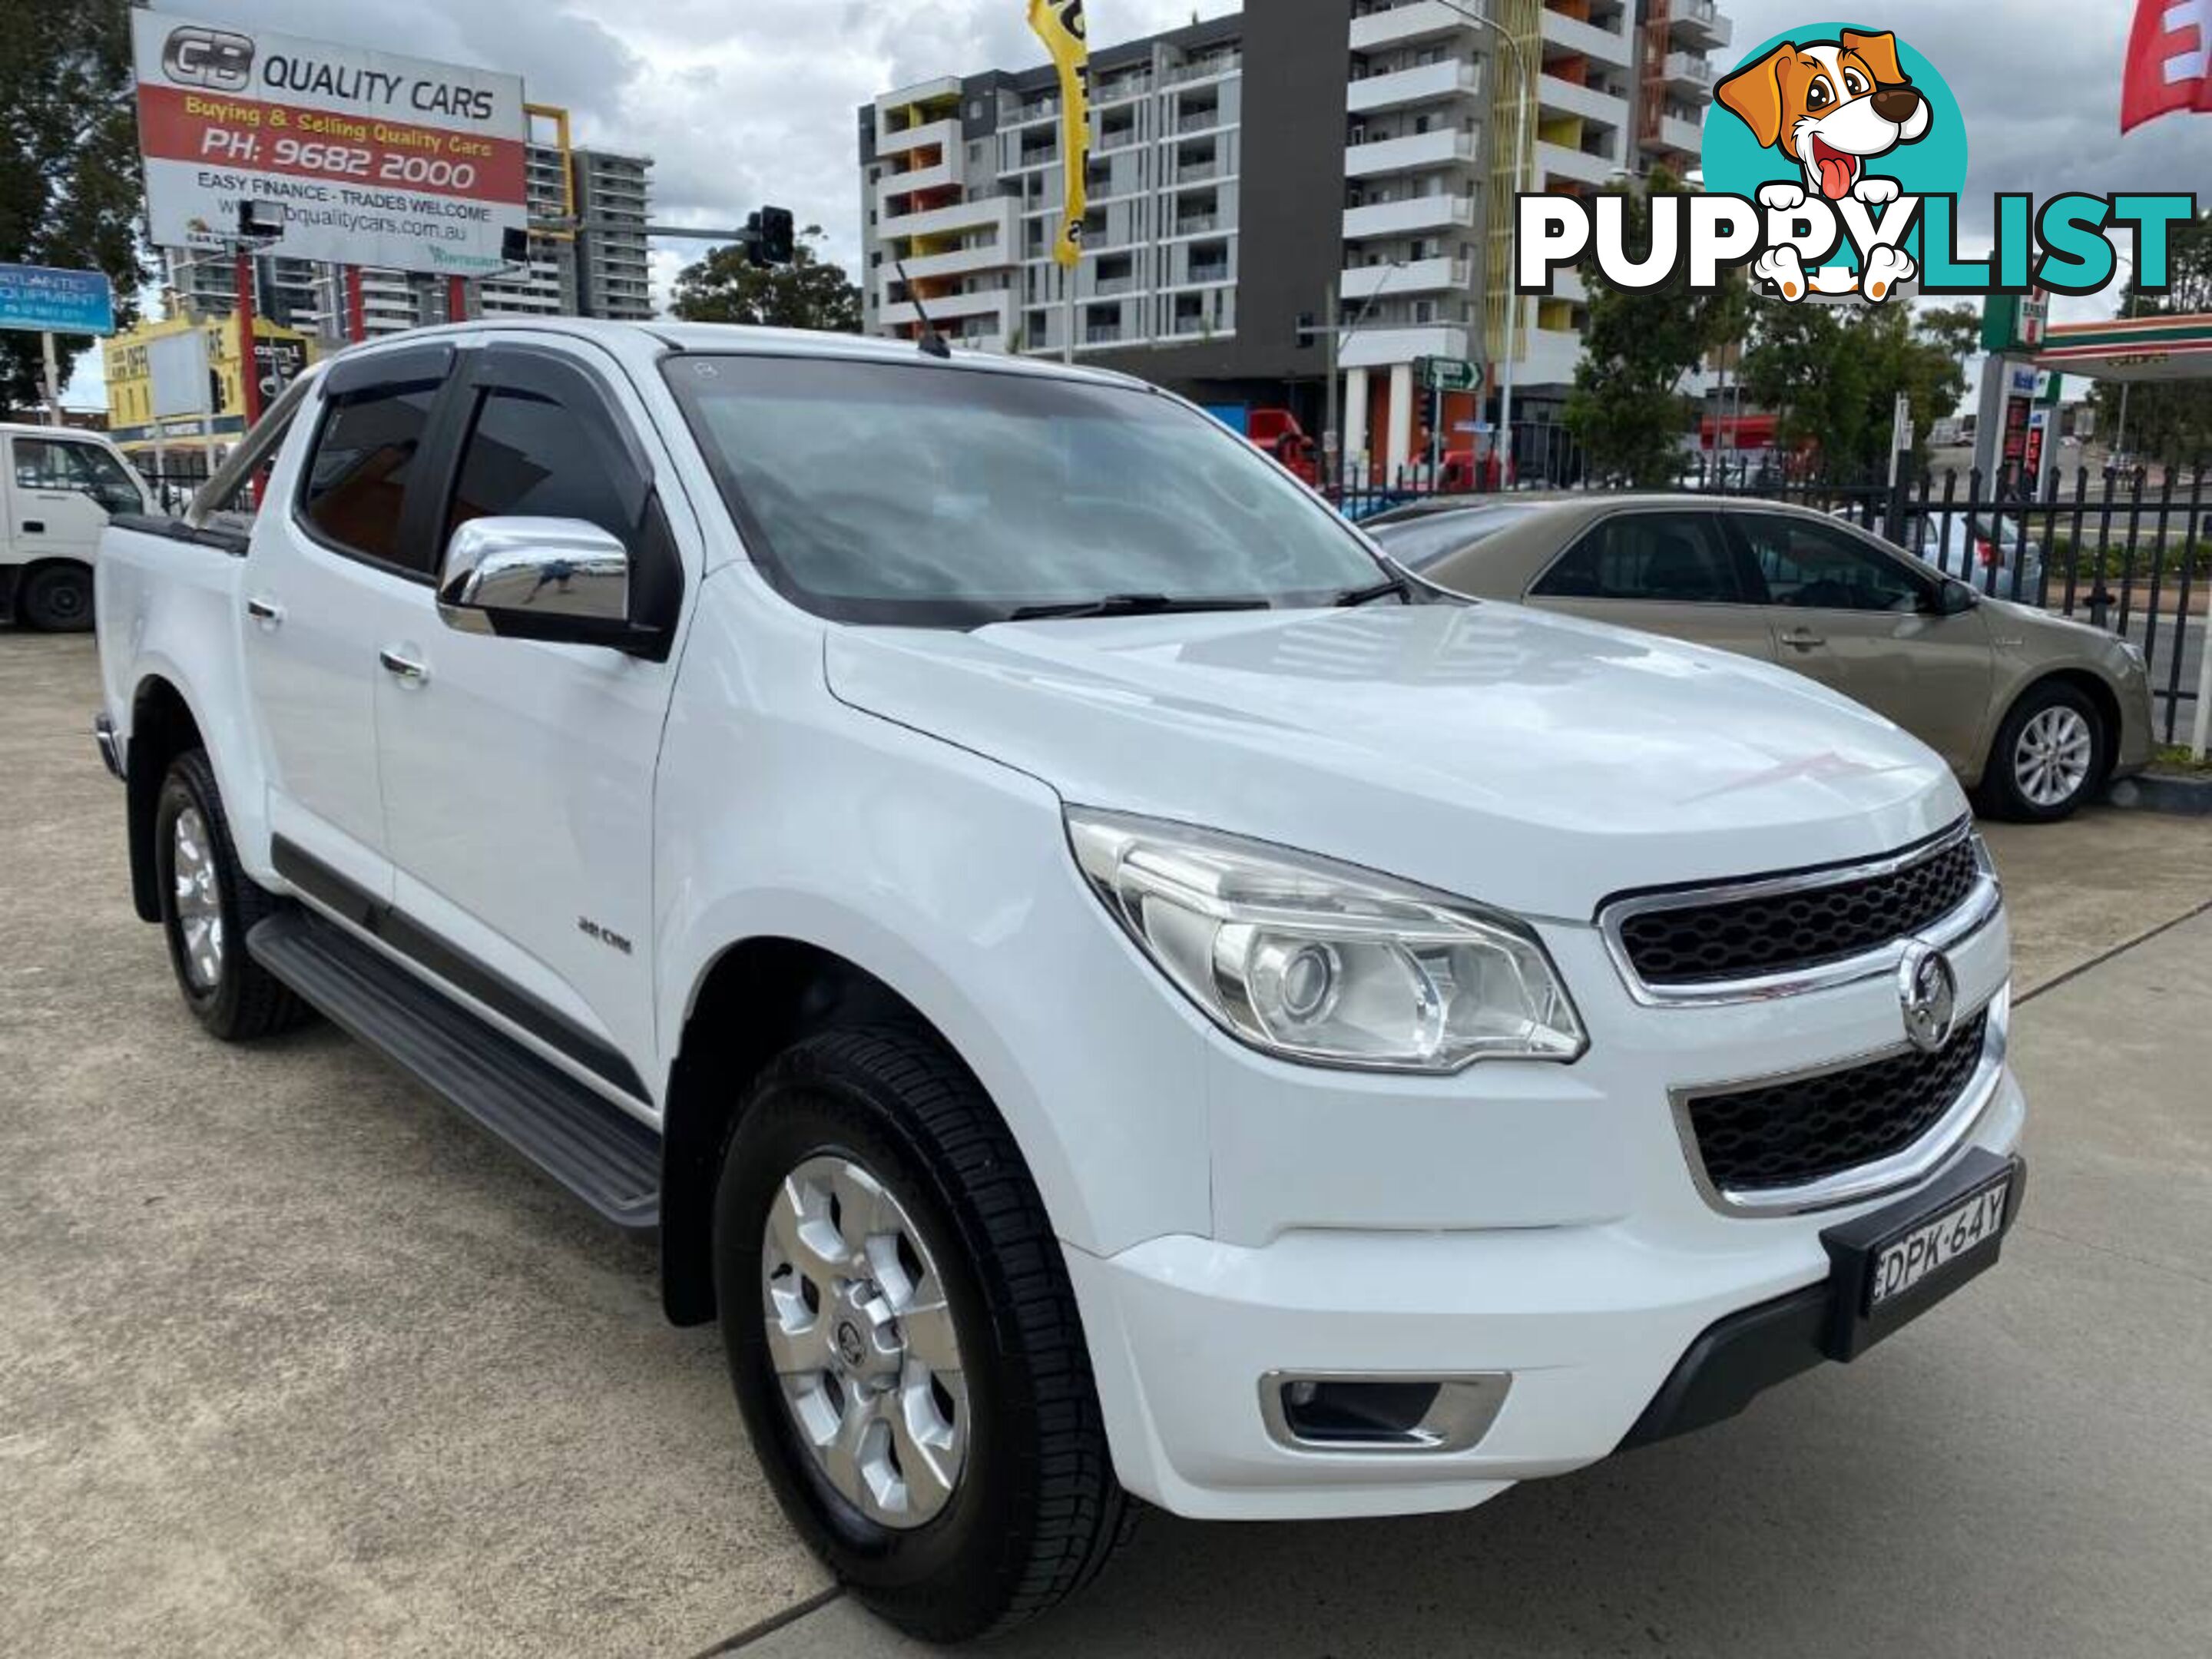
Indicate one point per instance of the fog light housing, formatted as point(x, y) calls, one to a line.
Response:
point(1339, 1412)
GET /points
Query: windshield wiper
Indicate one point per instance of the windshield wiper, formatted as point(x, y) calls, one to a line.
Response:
point(1381, 590)
point(1128, 604)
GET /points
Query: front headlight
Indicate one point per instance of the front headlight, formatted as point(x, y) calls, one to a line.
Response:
point(1318, 962)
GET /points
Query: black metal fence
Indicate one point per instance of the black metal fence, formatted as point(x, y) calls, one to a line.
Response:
point(2129, 552)
point(175, 479)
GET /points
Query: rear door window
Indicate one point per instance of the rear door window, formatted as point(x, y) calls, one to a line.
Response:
point(365, 458)
point(1679, 558)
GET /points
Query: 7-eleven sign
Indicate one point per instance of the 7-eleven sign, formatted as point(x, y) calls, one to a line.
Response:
point(2169, 61)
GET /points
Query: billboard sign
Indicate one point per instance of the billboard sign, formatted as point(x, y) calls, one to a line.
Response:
point(178, 375)
point(378, 160)
point(55, 301)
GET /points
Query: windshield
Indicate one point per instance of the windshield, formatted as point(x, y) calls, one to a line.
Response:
point(1419, 542)
point(922, 494)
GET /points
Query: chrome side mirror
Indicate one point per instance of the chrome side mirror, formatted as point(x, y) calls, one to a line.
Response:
point(544, 579)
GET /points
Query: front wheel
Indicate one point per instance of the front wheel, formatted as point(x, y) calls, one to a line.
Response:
point(57, 598)
point(903, 1339)
point(2050, 753)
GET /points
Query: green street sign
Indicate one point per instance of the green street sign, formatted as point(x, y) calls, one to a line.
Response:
point(1449, 374)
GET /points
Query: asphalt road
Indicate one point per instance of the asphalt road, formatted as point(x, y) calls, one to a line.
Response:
point(292, 1362)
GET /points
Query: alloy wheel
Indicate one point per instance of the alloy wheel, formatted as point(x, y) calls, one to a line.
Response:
point(2050, 763)
point(198, 899)
point(863, 1343)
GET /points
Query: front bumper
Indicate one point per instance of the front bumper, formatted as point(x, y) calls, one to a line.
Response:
point(1590, 1321)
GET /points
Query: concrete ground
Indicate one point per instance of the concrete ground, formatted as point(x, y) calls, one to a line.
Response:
point(292, 1362)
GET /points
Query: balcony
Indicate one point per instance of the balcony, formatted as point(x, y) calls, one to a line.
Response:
point(1548, 355)
point(1557, 162)
point(1423, 20)
point(1688, 71)
point(1700, 22)
point(1198, 173)
point(1420, 150)
point(1204, 275)
point(961, 262)
point(992, 212)
point(1103, 334)
point(1121, 91)
point(1199, 121)
point(997, 307)
point(1198, 224)
point(1557, 97)
point(890, 143)
point(1572, 34)
point(1423, 84)
point(1204, 68)
point(1380, 219)
point(936, 176)
point(1378, 348)
point(1686, 137)
point(1363, 283)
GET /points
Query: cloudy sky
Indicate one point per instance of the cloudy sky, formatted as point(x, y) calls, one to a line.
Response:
point(742, 101)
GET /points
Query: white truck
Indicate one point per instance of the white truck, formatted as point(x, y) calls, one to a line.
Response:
point(59, 487)
point(1105, 987)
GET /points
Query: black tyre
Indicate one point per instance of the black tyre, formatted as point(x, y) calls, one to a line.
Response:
point(2051, 754)
point(57, 598)
point(904, 1341)
point(209, 906)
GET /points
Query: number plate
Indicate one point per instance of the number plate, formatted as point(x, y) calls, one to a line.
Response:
point(1889, 1268)
point(1966, 1227)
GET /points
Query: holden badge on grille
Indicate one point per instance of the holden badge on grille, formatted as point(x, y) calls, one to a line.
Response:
point(1930, 993)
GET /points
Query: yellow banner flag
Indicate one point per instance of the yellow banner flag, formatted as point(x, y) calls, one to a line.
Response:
point(1059, 24)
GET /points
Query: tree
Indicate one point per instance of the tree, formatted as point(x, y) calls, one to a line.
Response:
point(69, 192)
point(1625, 409)
point(2168, 421)
point(808, 293)
point(1832, 374)
point(1956, 328)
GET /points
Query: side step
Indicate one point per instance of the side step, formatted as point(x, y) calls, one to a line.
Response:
point(598, 1151)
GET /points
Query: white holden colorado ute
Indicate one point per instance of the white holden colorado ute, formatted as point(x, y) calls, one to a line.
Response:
point(1103, 985)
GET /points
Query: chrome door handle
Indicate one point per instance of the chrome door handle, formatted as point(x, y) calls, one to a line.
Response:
point(1804, 638)
point(265, 611)
point(402, 668)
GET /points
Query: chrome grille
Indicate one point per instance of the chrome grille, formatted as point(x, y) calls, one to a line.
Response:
point(1787, 1134)
point(1762, 930)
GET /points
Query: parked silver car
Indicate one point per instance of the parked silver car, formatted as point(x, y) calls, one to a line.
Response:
point(2035, 711)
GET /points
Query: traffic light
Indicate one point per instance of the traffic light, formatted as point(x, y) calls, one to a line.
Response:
point(769, 237)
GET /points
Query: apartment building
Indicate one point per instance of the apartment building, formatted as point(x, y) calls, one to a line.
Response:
point(601, 272)
point(1242, 167)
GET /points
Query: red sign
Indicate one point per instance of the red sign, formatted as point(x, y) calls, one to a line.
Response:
point(2169, 61)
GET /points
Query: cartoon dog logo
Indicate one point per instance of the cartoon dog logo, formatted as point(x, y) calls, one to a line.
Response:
point(1830, 107)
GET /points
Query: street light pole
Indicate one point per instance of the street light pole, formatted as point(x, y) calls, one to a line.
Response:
point(1336, 334)
point(1520, 173)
